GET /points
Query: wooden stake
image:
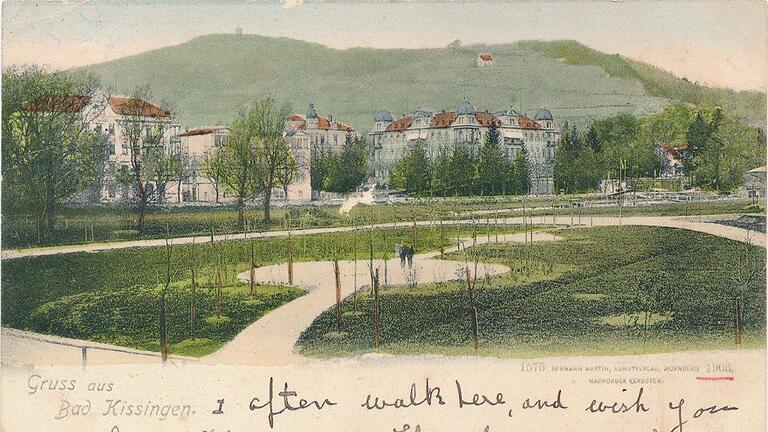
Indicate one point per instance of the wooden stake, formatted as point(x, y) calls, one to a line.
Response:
point(252, 282)
point(354, 254)
point(376, 311)
point(338, 293)
point(290, 260)
point(442, 248)
point(473, 310)
point(193, 299)
point(737, 319)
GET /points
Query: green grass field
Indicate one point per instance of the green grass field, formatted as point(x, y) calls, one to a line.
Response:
point(586, 295)
point(88, 225)
point(113, 297)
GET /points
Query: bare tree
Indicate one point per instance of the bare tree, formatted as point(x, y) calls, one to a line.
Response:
point(239, 167)
point(286, 174)
point(255, 153)
point(213, 169)
point(267, 123)
point(144, 128)
point(187, 170)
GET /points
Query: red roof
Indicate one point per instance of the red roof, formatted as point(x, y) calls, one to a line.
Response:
point(136, 107)
point(675, 152)
point(486, 57)
point(58, 103)
point(197, 131)
point(400, 125)
point(443, 120)
point(485, 119)
point(527, 123)
point(322, 123)
point(446, 119)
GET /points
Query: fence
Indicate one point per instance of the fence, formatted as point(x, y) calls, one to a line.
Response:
point(83, 347)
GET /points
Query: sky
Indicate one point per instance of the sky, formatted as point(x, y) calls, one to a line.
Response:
point(718, 43)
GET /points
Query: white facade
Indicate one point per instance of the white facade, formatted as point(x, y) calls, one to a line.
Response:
point(202, 143)
point(390, 139)
point(108, 115)
point(324, 134)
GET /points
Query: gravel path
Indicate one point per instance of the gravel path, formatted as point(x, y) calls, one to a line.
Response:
point(691, 223)
point(270, 340)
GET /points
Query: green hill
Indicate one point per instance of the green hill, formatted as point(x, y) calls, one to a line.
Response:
point(749, 105)
point(210, 78)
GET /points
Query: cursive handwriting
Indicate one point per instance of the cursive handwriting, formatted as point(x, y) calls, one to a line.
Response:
point(478, 399)
point(616, 407)
point(430, 394)
point(286, 396)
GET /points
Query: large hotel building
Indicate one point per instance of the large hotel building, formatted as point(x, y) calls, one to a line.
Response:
point(439, 132)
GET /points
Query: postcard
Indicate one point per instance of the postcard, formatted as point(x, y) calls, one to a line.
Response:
point(363, 215)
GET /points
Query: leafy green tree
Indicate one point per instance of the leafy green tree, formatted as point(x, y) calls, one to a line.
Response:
point(318, 168)
point(522, 172)
point(731, 150)
point(593, 141)
point(342, 172)
point(265, 123)
point(491, 164)
point(146, 140)
point(352, 165)
point(462, 170)
point(48, 152)
point(441, 174)
point(413, 173)
point(697, 136)
point(239, 166)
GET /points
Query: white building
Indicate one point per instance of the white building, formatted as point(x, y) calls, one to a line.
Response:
point(108, 116)
point(390, 139)
point(324, 134)
point(202, 143)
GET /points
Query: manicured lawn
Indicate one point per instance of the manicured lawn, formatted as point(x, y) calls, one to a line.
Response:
point(589, 294)
point(113, 297)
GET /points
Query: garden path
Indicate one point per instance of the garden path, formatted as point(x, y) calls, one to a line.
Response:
point(690, 223)
point(270, 340)
point(19, 349)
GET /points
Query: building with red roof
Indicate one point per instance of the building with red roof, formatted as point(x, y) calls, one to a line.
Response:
point(108, 115)
point(325, 134)
point(485, 59)
point(390, 138)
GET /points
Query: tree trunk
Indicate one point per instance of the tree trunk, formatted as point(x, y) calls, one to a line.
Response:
point(142, 211)
point(50, 222)
point(285, 191)
point(240, 212)
point(163, 330)
point(267, 199)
